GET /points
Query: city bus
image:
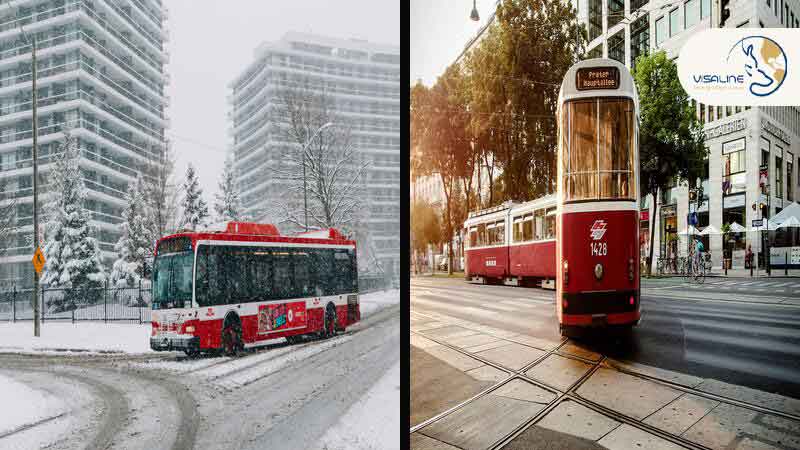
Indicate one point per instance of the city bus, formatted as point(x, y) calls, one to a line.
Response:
point(597, 236)
point(224, 291)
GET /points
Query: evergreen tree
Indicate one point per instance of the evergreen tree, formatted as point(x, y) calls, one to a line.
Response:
point(133, 247)
point(195, 209)
point(227, 204)
point(72, 254)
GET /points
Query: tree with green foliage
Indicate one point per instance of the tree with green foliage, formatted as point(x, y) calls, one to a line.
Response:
point(671, 140)
point(426, 226)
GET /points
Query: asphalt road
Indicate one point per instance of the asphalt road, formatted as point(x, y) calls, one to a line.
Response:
point(161, 402)
point(744, 332)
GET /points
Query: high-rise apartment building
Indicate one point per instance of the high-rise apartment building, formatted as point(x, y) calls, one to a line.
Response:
point(101, 77)
point(363, 81)
point(753, 153)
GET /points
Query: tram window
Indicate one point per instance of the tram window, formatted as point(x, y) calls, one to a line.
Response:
point(539, 228)
point(527, 227)
point(482, 234)
point(491, 232)
point(500, 233)
point(473, 237)
point(581, 167)
point(616, 148)
point(518, 229)
point(550, 224)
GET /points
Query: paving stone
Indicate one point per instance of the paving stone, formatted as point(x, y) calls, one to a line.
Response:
point(422, 442)
point(487, 373)
point(451, 331)
point(472, 340)
point(578, 420)
point(681, 414)
point(523, 390)
point(542, 344)
point(480, 348)
point(482, 422)
point(422, 342)
point(573, 349)
point(430, 325)
point(626, 437)
point(514, 356)
point(625, 393)
point(558, 371)
point(456, 359)
point(754, 396)
point(538, 438)
point(728, 426)
point(655, 372)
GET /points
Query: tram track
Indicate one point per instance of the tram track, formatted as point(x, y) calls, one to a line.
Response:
point(571, 392)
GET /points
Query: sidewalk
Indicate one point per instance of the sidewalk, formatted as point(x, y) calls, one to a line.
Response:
point(744, 273)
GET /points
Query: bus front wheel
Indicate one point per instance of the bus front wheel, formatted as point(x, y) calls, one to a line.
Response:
point(232, 336)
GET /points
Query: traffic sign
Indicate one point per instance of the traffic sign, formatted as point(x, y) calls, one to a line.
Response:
point(38, 260)
point(757, 222)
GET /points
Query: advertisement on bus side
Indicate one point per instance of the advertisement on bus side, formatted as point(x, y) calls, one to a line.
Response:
point(273, 318)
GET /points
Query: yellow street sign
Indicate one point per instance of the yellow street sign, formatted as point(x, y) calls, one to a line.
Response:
point(38, 260)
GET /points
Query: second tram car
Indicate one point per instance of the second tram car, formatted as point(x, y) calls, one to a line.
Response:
point(597, 239)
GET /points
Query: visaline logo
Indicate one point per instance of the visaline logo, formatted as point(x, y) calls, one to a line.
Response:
point(738, 67)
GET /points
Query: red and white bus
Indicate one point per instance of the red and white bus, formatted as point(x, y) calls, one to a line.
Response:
point(597, 239)
point(247, 285)
point(513, 244)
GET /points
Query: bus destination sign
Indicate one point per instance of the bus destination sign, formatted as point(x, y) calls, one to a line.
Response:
point(589, 78)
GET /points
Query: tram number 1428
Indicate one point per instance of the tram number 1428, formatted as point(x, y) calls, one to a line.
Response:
point(599, 248)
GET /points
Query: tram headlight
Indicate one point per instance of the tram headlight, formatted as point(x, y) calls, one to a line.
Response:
point(630, 269)
point(566, 272)
point(598, 271)
point(190, 329)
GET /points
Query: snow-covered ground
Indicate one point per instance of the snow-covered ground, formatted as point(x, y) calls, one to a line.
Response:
point(23, 406)
point(371, 423)
point(117, 337)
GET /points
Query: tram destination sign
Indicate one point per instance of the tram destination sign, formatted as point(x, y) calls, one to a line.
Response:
point(589, 78)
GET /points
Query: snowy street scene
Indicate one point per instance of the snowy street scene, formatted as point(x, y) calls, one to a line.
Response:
point(92, 385)
point(199, 224)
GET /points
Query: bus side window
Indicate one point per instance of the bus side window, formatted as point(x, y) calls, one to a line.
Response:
point(261, 262)
point(302, 286)
point(282, 269)
point(201, 279)
point(341, 272)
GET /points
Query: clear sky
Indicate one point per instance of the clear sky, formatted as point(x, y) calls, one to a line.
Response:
point(211, 42)
point(439, 31)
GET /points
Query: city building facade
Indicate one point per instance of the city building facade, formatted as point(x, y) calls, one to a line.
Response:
point(363, 80)
point(752, 167)
point(100, 76)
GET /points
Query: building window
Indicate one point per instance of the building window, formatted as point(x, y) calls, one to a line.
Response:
point(595, 19)
point(691, 13)
point(778, 174)
point(710, 113)
point(728, 111)
point(616, 10)
point(702, 113)
point(789, 177)
point(719, 112)
point(705, 8)
point(636, 4)
point(640, 38)
point(596, 52)
point(616, 46)
point(763, 174)
point(674, 25)
point(661, 30)
point(734, 166)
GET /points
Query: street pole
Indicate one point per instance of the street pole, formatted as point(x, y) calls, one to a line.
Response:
point(35, 188)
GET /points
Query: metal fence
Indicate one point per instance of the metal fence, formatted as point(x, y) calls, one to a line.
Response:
point(104, 303)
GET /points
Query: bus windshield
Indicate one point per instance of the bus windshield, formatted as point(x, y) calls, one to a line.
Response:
point(172, 280)
point(597, 139)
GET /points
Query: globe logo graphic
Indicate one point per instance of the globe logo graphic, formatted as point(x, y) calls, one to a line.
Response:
point(764, 61)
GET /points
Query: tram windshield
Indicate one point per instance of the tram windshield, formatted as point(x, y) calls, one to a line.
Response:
point(598, 149)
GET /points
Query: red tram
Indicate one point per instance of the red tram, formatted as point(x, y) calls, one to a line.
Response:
point(586, 237)
point(597, 242)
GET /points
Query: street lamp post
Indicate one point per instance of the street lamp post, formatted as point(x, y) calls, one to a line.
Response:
point(305, 194)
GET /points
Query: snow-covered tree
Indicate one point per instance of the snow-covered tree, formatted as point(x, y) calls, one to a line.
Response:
point(319, 158)
point(133, 247)
point(72, 255)
point(227, 204)
point(161, 198)
point(195, 209)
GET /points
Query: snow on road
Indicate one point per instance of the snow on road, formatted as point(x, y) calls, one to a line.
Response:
point(79, 337)
point(375, 301)
point(24, 406)
point(371, 423)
